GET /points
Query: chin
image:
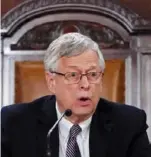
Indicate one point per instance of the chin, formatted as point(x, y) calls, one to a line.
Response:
point(84, 112)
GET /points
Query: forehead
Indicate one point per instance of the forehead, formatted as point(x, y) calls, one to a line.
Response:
point(86, 60)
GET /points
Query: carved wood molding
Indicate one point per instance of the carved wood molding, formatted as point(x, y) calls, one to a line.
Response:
point(30, 9)
point(41, 36)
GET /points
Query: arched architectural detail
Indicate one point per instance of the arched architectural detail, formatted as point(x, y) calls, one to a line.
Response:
point(32, 8)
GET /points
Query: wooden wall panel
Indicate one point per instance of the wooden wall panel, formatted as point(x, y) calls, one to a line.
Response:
point(30, 81)
point(114, 81)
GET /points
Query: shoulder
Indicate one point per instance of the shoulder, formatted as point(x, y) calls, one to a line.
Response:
point(123, 114)
point(119, 109)
point(23, 109)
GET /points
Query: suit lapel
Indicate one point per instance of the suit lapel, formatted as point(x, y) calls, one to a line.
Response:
point(46, 118)
point(100, 131)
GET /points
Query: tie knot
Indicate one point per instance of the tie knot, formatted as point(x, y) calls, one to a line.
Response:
point(75, 130)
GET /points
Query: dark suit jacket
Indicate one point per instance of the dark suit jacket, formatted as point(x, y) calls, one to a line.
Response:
point(116, 130)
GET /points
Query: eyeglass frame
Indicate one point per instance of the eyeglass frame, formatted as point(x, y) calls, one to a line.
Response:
point(81, 75)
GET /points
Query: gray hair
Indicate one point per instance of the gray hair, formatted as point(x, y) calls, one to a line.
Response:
point(70, 44)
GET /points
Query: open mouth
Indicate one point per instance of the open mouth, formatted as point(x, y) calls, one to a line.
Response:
point(84, 98)
point(84, 101)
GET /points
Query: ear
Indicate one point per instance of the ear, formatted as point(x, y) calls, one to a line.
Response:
point(50, 81)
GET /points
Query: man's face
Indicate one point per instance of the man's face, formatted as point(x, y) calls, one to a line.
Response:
point(81, 97)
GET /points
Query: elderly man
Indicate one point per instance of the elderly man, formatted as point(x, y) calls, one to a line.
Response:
point(96, 128)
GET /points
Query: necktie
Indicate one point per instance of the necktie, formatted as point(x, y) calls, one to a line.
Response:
point(72, 145)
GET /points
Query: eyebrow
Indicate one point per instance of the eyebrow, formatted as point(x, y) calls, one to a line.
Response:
point(76, 67)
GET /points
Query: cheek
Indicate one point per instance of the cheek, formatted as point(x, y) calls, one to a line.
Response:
point(62, 89)
point(96, 92)
point(98, 88)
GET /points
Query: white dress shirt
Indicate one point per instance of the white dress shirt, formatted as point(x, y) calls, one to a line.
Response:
point(82, 139)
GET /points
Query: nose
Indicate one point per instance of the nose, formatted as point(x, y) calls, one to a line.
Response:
point(84, 83)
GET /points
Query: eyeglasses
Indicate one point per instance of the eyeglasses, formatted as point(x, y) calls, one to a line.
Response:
point(75, 77)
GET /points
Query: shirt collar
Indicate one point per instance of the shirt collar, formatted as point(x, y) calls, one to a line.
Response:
point(65, 125)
